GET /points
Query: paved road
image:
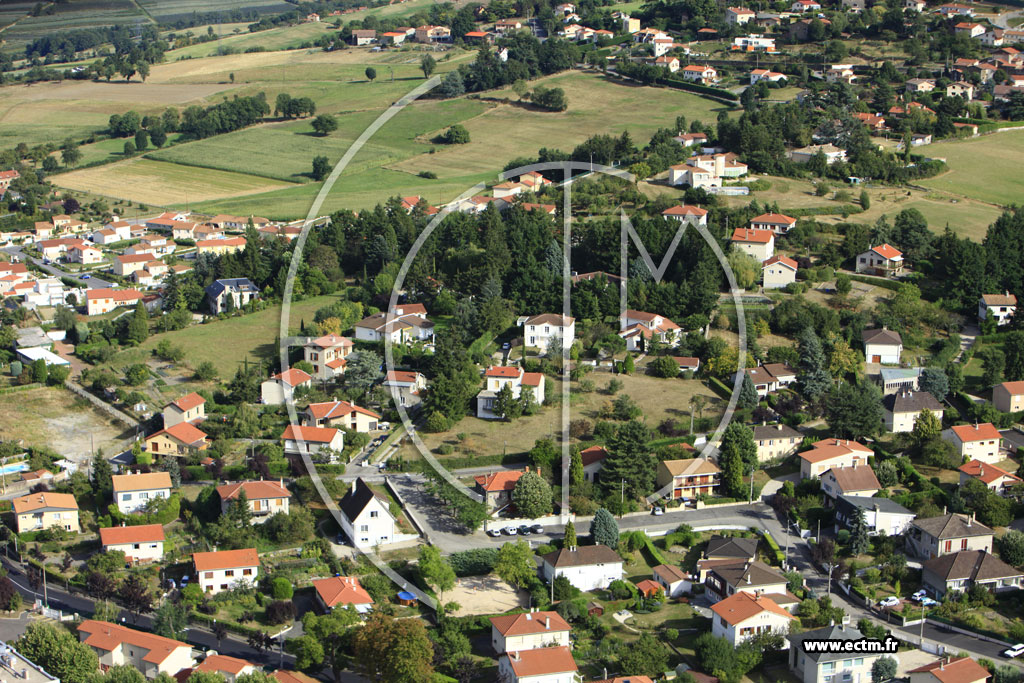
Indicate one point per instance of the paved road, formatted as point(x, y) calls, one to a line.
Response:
point(93, 282)
point(1003, 19)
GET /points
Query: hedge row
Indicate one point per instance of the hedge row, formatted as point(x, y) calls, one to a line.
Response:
point(780, 557)
point(718, 386)
point(475, 562)
point(837, 210)
point(717, 93)
point(877, 282)
point(652, 551)
point(995, 337)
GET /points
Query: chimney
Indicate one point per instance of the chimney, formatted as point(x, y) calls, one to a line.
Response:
point(354, 486)
point(943, 510)
point(529, 616)
point(779, 426)
point(538, 470)
point(527, 468)
point(515, 656)
point(547, 622)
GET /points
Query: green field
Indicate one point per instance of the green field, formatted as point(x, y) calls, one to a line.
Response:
point(978, 167)
point(282, 38)
point(226, 343)
point(168, 10)
point(69, 16)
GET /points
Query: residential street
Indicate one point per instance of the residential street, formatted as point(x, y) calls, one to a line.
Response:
point(92, 283)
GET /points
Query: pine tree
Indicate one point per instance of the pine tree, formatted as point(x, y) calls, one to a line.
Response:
point(604, 530)
point(860, 542)
point(138, 326)
point(748, 393)
point(569, 540)
point(505, 403)
point(627, 365)
point(731, 464)
point(576, 468)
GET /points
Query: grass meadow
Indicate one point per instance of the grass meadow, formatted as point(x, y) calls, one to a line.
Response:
point(978, 167)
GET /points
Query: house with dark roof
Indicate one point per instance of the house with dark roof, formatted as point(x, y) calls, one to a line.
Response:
point(588, 567)
point(881, 515)
point(882, 346)
point(528, 631)
point(859, 480)
point(903, 409)
point(821, 667)
point(749, 577)
point(776, 441)
point(896, 380)
point(771, 377)
point(231, 294)
point(963, 570)
point(950, 533)
point(365, 516)
point(724, 551)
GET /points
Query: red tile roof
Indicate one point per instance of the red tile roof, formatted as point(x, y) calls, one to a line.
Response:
point(46, 499)
point(1014, 388)
point(142, 482)
point(309, 434)
point(188, 402)
point(331, 340)
point(887, 251)
point(329, 409)
point(223, 663)
point(115, 294)
point(106, 636)
point(505, 371)
point(963, 670)
point(593, 454)
point(498, 481)
point(225, 559)
point(184, 432)
point(981, 432)
point(986, 472)
point(528, 623)
point(773, 218)
point(541, 662)
point(684, 210)
point(342, 590)
point(253, 490)
point(293, 377)
point(144, 533)
point(752, 235)
point(741, 606)
point(784, 260)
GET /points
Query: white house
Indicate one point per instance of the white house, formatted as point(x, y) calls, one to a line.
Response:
point(881, 515)
point(231, 294)
point(778, 271)
point(742, 616)
point(544, 330)
point(882, 346)
point(543, 665)
point(189, 408)
point(365, 517)
point(757, 243)
point(999, 306)
point(705, 75)
point(673, 580)
point(407, 384)
point(228, 667)
point(148, 653)
point(226, 569)
point(265, 498)
point(884, 260)
point(640, 327)
point(739, 15)
point(962, 670)
point(831, 453)
point(406, 322)
point(528, 631)
point(778, 223)
point(826, 667)
point(976, 442)
point(280, 388)
point(328, 355)
point(766, 75)
point(587, 567)
point(132, 492)
point(901, 410)
point(995, 478)
point(299, 440)
point(340, 414)
point(497, 377)
point(685, 213)
point(143, 543)
point(99, 301)
point(831, 153)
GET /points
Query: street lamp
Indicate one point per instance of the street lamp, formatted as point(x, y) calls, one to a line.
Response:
point(828, 586)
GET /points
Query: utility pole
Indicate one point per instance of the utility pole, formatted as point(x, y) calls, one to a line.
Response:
point(46, 602)
point(622, 496)
point(924, 613)
point(787, 539)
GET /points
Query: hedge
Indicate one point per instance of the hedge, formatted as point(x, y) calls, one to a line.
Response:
point(717, 93)
point(991, 634)
point(780, 557)
point(718, 386)
point(654, 552)
point(877, 282)
point(995, 337)
point(836, 210)
point(232, 626)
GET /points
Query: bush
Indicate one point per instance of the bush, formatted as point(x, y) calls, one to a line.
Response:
point(281, 589)
point(456, 135)
point(281, 612)
point(476, 562)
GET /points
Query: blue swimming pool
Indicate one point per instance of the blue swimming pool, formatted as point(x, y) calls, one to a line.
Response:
point(16, 467)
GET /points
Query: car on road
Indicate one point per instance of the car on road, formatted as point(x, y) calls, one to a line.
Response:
point(494, 533)
point(524, 530)
point(657, 510)
point(1015, 651)
point(536, 529)
point(86, 277)
point(891, 601)
point(510, 531)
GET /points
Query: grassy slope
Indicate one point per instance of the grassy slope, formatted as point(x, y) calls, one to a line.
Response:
point(979, 167)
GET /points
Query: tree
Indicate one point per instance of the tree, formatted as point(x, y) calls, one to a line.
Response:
point(865, 200)
point(664, 366)
point(321, 167)
point(324, 124)
point(748, 398)
point(738, 442)
point(171, 620)
point(883, 669)
point(70, 155)
point(56, 650)
point(389, 650)
point(532, 496)
point(206, 371)
point(506, 404)
point(452, 85)
point(935, 381)
point(604, 530)
point(515, 563)
point(325, 641)
point(860, 541)
point(926, 427)
point(135, 595)
point(39, 371)
point(1011, 548)
point(436, 571)
point(129, 148)
point(123, 673)
point(1013, 350)
point(993, 364)
point(552, 99)
point(141, 139)
point(645, 656)
point(138, 325)
point(427, 65)
point(569, 537)
point(854, 410)
point(628, 366)
point(371, 73)
point(814, 378)
point(456, 135)
point(575, 467)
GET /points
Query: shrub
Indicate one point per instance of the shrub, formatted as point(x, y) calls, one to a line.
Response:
point(281, 589)
point(456, 135)
point(281, 612)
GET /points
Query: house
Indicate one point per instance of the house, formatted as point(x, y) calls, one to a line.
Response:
point(757, 243)
point(963, 570)
point(127, 264)
point(143, 543)
point(881, 515)
point(831, 153)
point(362, 37)
point(497, 487)
point(897, 380)
point(688, 479)
point(999, 306)
point(503, 26)
point(340, 415)
point(691, 139)
point(639, 328)
point(874, 122)
point(995, 478)
point(227, 245)
point(497, 377)
point(975, 442)
point(753, 43)
point(147, 653)
point(405, 323)
point(752, 577)
point(726, 551)
point(916, 85)
point(182, 438)
point(778, 223)
point(776, 441)
point(405, 386)
point(588, 567)
point(771, 377)
point(687, 363)
point(705, 75)
point(969, 29)
point(960, 89)
point(668, 62)
point(300, 440)
point(593, 458)
point(103, 300)
point(397, 37)
point(328, 355)
point(693, 176)
point(528, 631)
point(674, 581)
point(433, 34)
point(342, 591)
point(778, 271)
point(948, 533)
point(685, 213)
point(1008, 397)
point(742, 616)
point(838, 73)
point(232, 294)
point(916, 5)
point(46, 510)
point(825, 667)
point(365, 516)
point(859, 480)
point(543, 665)
point(133, 492)
point(884, 260)
point(882, 345)
point(189, 408)
point(962, 670)
point(6, 178)
point(85, 254)
point(829, 453)
point(805, 6)
point(225, 569)
point(738, 15)
point(266, 498)
point(721, 165)
point(765, 75)
point(545, 330)
point(228, 667)
point(903, 409)
point(280, 388)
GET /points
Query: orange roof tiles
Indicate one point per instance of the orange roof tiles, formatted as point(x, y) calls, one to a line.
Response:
point(46, 499)
point(981, 432)
point(188, 402)
point(752, 235)
point(310, 434)
point(498, 481)
point(254, 490)
point(142, 482)
point(184, 432)
point(144, 533)
point(293, 377)
point(225, 559)
point(542, 661)
point(528, 623)
point(741, 606)
point(504, 371)
point(342, 590)
point(106, 636)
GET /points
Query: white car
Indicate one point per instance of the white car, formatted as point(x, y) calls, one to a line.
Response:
point(916, 597)
point(1015, 651)
point(928, 602)
point(891, 601)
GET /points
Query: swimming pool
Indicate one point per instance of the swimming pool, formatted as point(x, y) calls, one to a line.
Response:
point(16, 467)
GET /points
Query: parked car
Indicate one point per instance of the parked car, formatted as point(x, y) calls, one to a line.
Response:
point(657, 510)
point(1015, 651)
point(891, 601)
point(524, 530)
point(916, 597)
point(928, 602)
point(493, 532)
point(506, 346)
point(536, 529)
point(86, 277)
point(510, 531)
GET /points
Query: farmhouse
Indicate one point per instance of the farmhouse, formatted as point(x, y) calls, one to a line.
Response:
point(144, 543)
point(589, 567)
point(328, 355)
point(46, 510)
point(975, 442)
point(223, 570)
point(265, 498)
point(148, 653)
point(133, 492)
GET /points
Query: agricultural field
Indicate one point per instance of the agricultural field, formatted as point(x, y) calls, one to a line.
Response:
point(161, 183)
point(70, 16)
point(978, 167)
point(282, 38)
point(169, 10)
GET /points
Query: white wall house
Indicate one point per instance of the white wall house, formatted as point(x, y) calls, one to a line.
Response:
point(778, 271)
point(545, 330)
point(757, 243)
point(976, 442)
point(328, 355)
point(133, 492)
point(365, 517)
point(280, 388)
point(298, 440)
point(188, 408)
point(588, 567)
point(882, 346)
point(497, 377)
point(998, 306)
point(148, 653)
point(544, 665)
point(528, 631)
point(140, 544)
point(742, 616)
point(226, 569)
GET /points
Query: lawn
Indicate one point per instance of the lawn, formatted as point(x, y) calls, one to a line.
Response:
point(227, 343)
point(161, 183)
point(978, 167)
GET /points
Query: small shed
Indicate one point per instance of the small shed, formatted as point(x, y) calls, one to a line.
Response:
point(595, 609)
